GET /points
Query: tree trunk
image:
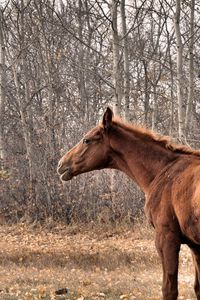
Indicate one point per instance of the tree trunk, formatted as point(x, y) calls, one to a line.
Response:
point(146, 91)
point(116, 60)
point(126, 61)
point(153, 108)
point(82, 80)
point(26, 134)
point(2, 92)
point(180, 83)
point(191, 68)
point(171, 126)
point(117, 89)
point(23, 99)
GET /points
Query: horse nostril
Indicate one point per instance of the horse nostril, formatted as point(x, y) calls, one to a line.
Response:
point(62, 168)
point(68, 170)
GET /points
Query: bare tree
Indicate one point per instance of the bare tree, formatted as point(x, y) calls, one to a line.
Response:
point(191, 67)
point(2, 90)
point(180, 80)
point(116, 58)
point(126, 61)
point(20, 65)
point(61, 64)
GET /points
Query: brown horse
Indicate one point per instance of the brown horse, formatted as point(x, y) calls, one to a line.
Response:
point(169, 175)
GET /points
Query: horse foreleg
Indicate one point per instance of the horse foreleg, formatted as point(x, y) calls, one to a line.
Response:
point(196, 258)
point(168, 247)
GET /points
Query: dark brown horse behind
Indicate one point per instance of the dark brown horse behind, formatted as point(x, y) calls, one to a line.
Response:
point(168, 174)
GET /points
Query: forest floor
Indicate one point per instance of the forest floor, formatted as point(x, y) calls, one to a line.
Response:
point(90, 262)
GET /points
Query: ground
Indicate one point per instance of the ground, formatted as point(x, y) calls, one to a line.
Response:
point(91, 262)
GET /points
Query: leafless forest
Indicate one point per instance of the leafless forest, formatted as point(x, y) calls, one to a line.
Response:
point(62, 62)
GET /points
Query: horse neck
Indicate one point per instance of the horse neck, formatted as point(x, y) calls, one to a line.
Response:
point(141, 159)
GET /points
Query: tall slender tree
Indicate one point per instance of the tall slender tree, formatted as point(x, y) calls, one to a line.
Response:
point(126, 86)
point(191, 67)
point(2, 90)
point(116, 58)
point(180, 81)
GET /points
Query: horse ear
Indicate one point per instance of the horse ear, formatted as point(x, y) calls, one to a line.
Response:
point(107, 118)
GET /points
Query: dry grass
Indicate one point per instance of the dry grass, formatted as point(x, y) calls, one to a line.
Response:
point(93, 263)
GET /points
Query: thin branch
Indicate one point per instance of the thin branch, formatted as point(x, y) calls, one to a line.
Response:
point(74, 35)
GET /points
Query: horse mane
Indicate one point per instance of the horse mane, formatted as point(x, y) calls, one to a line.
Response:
point(148, 135)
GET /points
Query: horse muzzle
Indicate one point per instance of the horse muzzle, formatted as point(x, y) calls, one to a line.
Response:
point(65, 172)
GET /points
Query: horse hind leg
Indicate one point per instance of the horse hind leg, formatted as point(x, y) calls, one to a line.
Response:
point(196, 258)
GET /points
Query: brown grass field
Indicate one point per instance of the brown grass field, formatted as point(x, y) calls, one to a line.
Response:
point(93, 262)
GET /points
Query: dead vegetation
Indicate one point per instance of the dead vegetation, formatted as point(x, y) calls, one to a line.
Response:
point(87, 262)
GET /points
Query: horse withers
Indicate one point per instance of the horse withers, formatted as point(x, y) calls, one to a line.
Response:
point(168, 174)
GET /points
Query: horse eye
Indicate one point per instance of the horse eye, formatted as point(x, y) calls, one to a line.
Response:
point(86, 141)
